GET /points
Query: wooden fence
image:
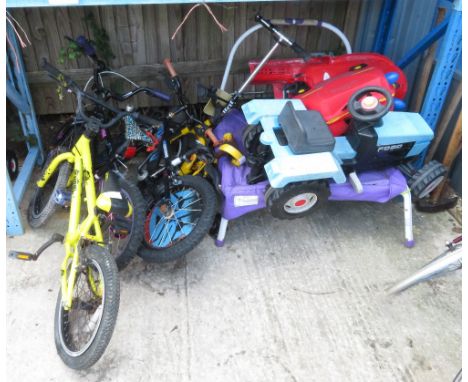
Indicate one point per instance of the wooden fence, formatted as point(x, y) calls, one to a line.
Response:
point(140, 39)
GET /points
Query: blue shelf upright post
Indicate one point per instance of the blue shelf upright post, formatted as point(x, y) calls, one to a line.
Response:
point(384, 26)
point(447, 60)
point(17, 92)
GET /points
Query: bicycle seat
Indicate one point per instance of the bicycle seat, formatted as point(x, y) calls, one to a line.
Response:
point(305, 130)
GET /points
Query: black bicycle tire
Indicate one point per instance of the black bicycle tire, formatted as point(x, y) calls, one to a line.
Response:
point(139, 210)
point(109, 316)
point(182, 247)
point(37, 220)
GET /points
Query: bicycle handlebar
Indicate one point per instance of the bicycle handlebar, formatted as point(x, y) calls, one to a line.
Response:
point(152, 92)
point(58, 75)
point(281, 37)
point(70, 84)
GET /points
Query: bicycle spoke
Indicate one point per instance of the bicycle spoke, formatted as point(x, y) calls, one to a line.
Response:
point(156, 230)
point(165, 235)
point(188, 205)
point(188, 209)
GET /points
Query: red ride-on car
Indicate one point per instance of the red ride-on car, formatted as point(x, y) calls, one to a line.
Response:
point(326, 83)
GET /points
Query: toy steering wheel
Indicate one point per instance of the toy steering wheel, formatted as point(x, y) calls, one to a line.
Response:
point(366, 107)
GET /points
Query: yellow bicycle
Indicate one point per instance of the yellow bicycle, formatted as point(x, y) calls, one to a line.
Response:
point(88, 302)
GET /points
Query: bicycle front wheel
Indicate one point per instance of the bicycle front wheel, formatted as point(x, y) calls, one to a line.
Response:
point(83, 332)
point(176, 225)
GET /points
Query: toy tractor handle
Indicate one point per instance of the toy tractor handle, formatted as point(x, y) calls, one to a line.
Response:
point(370, 108)
point(282, 38)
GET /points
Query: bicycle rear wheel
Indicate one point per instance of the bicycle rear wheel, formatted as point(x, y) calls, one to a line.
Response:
point(124, 235)
point(83, 332)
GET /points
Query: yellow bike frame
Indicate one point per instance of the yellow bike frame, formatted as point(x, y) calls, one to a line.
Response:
point(80, 158)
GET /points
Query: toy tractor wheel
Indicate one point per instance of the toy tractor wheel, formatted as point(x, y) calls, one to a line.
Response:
point(425, 180)
point(295, 200)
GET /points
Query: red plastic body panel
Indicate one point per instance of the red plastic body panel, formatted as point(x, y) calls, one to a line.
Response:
point(332, 81)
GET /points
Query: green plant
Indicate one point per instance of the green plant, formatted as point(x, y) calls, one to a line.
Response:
point(101, 39)
point(70, 52)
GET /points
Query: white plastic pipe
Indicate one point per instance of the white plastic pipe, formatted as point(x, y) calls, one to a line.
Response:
point(256, 27)
point(221, 232)
point(408, 212)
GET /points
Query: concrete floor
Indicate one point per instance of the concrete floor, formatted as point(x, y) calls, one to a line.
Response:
point(282, 301)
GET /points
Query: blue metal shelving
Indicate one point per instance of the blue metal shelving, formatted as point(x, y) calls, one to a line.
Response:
point(448, 56)
point(17, 91)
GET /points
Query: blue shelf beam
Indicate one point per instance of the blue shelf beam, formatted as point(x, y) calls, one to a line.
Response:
point(425, 43)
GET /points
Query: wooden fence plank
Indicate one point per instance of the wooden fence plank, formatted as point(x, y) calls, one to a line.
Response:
point(351, 19)
point(64, 23)
point(151, 34)
point(228, 37)
point(325, 39)
point(163, 32)
point(109, 24)
point(38, 34)
point(123, 35)
point(78, 26)
point(137, 34)
point(174, 14)
point(313, 36)
point(29, 55)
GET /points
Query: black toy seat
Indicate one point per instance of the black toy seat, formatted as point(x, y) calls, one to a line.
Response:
point(305, 130)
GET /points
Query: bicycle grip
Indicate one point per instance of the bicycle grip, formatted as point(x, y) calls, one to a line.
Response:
point(86, 46)
point(209, 133)
point(159, 94)
point(170, 68)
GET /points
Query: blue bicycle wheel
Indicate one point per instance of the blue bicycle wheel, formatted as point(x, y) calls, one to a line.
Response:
point(176, 224)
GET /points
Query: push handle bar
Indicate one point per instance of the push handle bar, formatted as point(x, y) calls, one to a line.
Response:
point(283, 39)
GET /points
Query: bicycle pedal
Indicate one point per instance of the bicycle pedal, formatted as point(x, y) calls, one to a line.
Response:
point(25, 256)
point(62, 198)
